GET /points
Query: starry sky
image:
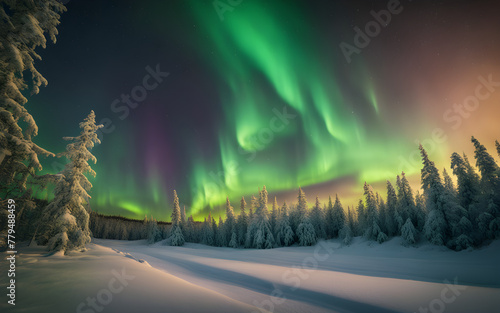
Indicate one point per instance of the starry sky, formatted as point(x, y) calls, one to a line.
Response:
point(217, 101)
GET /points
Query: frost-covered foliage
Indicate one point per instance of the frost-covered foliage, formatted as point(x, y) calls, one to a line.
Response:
point(24, 27)
point(317, 219)
point(242, 223)
point(409, 233)
point(176, 237)
point(372, 230)
point(284, 234)
point(153, 231)
point(66, 220)
point(259, 234)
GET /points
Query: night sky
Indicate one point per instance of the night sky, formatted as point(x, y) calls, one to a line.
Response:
point(265, 96)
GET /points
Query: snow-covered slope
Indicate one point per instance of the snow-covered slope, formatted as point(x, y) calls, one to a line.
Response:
point(364, 277)
point(117, 282)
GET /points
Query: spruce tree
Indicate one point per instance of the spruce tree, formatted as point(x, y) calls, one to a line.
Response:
point(230, 224)
point(338, 217)
point(242, 222)
point(468, 184)
point(305, 230)
point(274, 216)
point(372, 231)
point(259, 233)
point(361, 224)
point(220, 234)
point(66, 219)
point(489, 219)
point(391, 213)
point(487, 167)
point(24, 26)
point(317, 219)
point(284, 235)
point(176, 236)
point(153, 232)
point(444, 211)
point(329, 218)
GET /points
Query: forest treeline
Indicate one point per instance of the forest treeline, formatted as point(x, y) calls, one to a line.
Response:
point(460, 216)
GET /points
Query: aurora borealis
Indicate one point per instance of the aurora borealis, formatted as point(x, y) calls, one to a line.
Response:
point(264, 97)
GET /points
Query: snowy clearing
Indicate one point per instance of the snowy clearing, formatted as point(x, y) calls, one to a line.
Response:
point(364, 277)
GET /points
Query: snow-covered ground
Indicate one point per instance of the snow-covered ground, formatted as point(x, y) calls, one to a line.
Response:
point(364, 277)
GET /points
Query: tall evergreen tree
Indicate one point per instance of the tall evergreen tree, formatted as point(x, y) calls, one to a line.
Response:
point(176, 236)
point(284, 234)
point(444, 211)
point(220, 234)
point(338, 217)
point(207, 237)
point(305, 230)
point(487, 167)
point(259, 233)
point(468, 184)
point(317, 219)
point(372, 230)
point(153, 232)
point(391, 213)
point(242, 222)
point(406, 202)
point(24, 26)
point(329, 218)
point(230, 224)
point(274, 216)
point(362, 223)
point(489, 219)
point(66, 219)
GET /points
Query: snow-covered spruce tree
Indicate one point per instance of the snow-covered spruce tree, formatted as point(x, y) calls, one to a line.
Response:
point(409, 233)
point(444, 211)
point(65, 219)
point(176, 237)
point(392, 216)
point(329, 218)
point(420, 211)
point(373, 231)
point(154, 233)
point(274, 215)
point(382, 211)
point(346, 233)
point(468, 185)
point(220, 234)
point(230, 225)
point(351, 219)
point(361, 224)
point(489, 220)
point(207, 236)
point(24, 26)
point(284, 234)
point(406, 202)
point(317, 219)
point(190, 234)
point(487, 167)
point(305, 230)
point(260, 229)
point(338, 216)
point(242, 223)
